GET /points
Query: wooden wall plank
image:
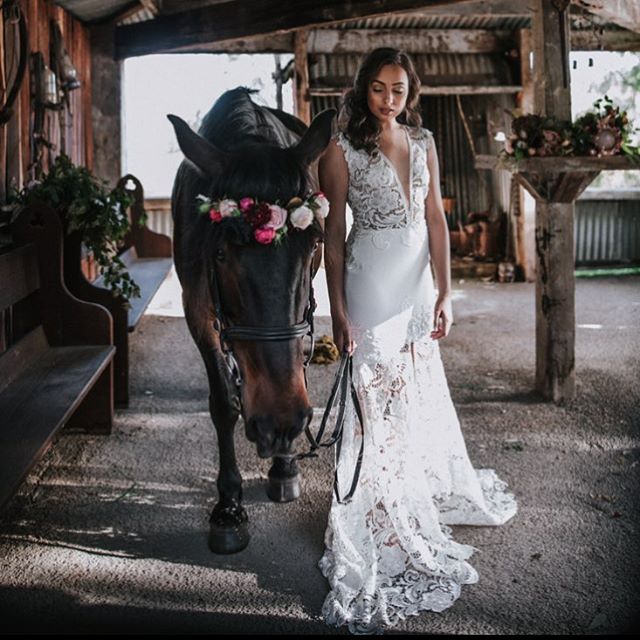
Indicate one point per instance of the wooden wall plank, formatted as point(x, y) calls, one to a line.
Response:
point(4, 62)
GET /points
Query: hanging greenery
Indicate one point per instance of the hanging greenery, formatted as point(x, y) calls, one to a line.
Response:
point(604, 131)
point(86, 204)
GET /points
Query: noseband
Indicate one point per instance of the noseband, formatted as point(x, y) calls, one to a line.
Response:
point(230, 333)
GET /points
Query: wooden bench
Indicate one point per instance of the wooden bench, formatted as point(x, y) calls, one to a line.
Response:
point(147, 255)
point(57, 368)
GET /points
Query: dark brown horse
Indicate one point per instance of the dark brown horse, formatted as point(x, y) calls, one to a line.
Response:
point(244, 150)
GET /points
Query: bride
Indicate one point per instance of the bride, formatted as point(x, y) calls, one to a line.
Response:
point(389, 551)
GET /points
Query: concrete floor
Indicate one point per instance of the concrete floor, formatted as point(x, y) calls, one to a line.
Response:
point(109, 534)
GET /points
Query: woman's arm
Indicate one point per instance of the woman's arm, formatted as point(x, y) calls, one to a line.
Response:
point(334, 176)
point(439, 247)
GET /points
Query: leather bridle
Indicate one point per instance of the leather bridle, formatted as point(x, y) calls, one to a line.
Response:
point(228, 333)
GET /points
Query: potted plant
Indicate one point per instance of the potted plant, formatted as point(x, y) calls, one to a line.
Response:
point(88, 208)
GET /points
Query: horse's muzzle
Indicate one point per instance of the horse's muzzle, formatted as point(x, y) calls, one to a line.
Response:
point(273, 438)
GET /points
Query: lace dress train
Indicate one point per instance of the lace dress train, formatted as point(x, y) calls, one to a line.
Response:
point(389, 553)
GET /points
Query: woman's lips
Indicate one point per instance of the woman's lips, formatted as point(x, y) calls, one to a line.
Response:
point(386, 112)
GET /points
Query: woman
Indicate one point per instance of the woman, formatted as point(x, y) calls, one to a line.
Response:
point(389, 552)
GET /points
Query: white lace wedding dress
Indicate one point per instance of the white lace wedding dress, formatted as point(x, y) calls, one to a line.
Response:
point(389, 552)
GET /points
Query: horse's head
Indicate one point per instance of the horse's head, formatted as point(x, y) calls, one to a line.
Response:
point(262, 286)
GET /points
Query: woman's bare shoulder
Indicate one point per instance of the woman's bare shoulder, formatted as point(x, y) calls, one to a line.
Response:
point(336, 150)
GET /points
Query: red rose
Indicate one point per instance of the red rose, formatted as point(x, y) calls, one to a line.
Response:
point(265, 235)
point(259, 216)
point(215, 215)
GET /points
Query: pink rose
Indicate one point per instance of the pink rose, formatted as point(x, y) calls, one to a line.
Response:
point(215, 215)
point(246, 204)
point(227, 207)
point(265, 235)
point(278, 217)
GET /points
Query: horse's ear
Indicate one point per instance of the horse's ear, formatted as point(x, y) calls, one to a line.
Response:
point(316, 138)
point(196, 149)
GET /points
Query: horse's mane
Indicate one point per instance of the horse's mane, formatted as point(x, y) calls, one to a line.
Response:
point(235, 119)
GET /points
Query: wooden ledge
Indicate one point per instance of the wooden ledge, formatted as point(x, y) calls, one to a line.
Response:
point(556, 179)
point(556, 164)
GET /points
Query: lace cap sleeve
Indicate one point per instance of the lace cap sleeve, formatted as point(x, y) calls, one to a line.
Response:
point(427, 138)
point(343, 143)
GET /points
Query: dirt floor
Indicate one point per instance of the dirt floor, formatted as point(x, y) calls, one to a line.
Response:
point(109, 533)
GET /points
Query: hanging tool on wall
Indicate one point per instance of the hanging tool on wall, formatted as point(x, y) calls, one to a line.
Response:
point(12, 15)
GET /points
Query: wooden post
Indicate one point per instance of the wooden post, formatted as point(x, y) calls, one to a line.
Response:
point(106, 101)
point(277, 77)
point(525, 222)
point(301, 99)
point(555, 278)
point(3, 131)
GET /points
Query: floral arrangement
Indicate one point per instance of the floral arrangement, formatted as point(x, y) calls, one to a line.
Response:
point(268, 223)
point(534, 135)
point(604, 131)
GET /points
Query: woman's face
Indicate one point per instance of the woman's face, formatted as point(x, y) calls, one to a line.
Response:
point(387, 93)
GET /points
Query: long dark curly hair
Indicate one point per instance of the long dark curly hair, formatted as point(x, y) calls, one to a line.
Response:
point(360, 126)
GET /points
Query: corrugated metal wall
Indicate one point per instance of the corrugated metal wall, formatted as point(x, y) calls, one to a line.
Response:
point(607, 231)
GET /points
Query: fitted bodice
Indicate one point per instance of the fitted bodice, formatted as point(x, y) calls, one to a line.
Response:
point(376, 195)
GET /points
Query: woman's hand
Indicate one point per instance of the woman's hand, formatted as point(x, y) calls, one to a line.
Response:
point(342, 334)
point(442, 317)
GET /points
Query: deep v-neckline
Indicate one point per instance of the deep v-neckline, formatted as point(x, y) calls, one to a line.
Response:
point(406, 196)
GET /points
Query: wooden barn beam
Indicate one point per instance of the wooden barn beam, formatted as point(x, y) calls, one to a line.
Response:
point(301, 98)
point(493, 8)
point(525, 222)
point(435, 90)
point(555, 277)
point(231, 20)
point(409, 40)
point(359, 41)
point(274, 43)
point(624, 13)
point(607, 41)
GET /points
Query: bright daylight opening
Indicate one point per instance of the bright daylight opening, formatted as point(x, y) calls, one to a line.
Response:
point(186, 85)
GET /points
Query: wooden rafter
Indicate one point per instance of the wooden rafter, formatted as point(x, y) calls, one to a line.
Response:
point(624, 13)
point(410, 40)
point(231, 20)
point(436, 90)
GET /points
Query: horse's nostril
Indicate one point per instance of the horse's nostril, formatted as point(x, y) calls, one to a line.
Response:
point(303, 418)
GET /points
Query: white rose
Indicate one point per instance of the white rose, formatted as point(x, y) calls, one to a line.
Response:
point(301, 217)
point(227, 207)
point(322, 206)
